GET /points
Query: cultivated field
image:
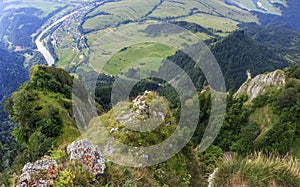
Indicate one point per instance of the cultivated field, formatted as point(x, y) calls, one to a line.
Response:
point(118, 12)
point(212, 22)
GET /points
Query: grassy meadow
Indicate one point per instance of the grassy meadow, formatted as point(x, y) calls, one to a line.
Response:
point(129, 55)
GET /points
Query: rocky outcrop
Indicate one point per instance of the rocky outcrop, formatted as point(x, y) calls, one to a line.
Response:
point(43, 173)
point(142, 108)
point(148, 105)
point(259, 84)
point(87, 154)
point(39, 173)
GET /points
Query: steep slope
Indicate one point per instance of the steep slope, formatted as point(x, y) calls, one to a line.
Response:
point(235, 54)
point(238, 53)
point(261, 83)
point(258, 170)
point(85, 164)
point(12, 72)
point(274, 102)
point(42, 108)
point(129, 123)
point(280, 38)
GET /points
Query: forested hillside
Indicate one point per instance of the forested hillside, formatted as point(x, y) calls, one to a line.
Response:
point(280, 38)
point(238, 53)
point(235, 54)
point(43, 109)
point(12, 72)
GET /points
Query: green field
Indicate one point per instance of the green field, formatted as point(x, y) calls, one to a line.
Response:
point(119, 11)
point(213, 22)
point(210, 7)
point(109, 36)
point(106, 43)
point(100, 22)
point(226, 17)
point(172, 9)
point(145, 55)
point(133, 9)
point(70, 57)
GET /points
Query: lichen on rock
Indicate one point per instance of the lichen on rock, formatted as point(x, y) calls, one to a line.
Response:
point(89, 155)
point(38, 173)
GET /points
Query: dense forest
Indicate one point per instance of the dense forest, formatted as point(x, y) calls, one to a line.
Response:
point(280, 38)
point(235, 54)
point(12, 68)
point(19, 24)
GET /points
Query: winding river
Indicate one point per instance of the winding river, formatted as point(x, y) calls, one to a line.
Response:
point(41, 48)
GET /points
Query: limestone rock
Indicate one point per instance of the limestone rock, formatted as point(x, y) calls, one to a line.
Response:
point(38, 173)
point(259, 84)
point(88, 154)
point(144, 107)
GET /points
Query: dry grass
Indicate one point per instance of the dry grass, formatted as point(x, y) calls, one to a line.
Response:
point(259, 170)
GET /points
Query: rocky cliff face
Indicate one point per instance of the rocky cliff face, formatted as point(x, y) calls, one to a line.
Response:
point(258, 85)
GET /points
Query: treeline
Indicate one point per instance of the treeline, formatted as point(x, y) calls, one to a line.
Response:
point(193, 27)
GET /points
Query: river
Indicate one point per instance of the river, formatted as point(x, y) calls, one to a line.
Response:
point(41, 48)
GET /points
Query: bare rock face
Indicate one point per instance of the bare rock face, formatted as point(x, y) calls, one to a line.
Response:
point(259, 84)
point(38, 173)
point(88, 154)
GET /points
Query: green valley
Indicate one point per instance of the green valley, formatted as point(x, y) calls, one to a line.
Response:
point(143, 93)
